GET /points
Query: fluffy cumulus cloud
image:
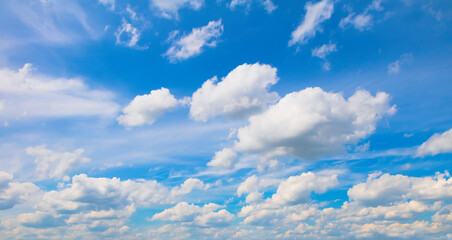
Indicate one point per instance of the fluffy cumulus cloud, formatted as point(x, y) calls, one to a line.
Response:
point(97, 205)
point(26, 93)
point(146, 109)
point(194, 43)
point(316, 13)
point(322, 52)
point(385, 217)
point(253, 185)
point(225, 158)
point(311, 123)
point(170, 8)
point(201, 216)
point(55, 165)
point(297, 189)
point(438, 143)
point(242, 92)
point(13, 193)
point(385, 189)
point(267, 4)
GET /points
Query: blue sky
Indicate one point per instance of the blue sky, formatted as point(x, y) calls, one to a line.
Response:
point(226, 119)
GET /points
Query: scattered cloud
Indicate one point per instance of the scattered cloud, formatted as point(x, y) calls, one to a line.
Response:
point(242, 92)
point(322, 52)
point(316, 13)
point(267, 4)
point(110, 4)
point(55, 165)
point(29, 94)
point(146, 109)
point(169, 8)
point(201, 216)
point(359, 21)
point(394, 67)
point(127, 35)
point(436, 144)
point(194, 43)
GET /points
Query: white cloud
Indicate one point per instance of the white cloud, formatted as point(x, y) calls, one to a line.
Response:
point(252, 186)
point(13, 193)
point(225, 158)
point(108, 3)
point(169, 8)
point(146, 109)
point(312, 123)
point(127, 35)
point(316, 13)
point(322, 52)
point(385, 189)
point(297, 189)
point(267, 4)
point(436, 144)
point(359, 21)
point(242, 92)
point(194, 43)
point(49, 22)
point(203, 216)
point(394, 68)
point(51, 164)
point(27, 94)
point(187, 187)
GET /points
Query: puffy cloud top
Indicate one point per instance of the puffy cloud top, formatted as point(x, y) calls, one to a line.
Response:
point(311, 123)
point(242, 92)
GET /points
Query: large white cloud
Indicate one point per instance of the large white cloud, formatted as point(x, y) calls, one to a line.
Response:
point(195, 42)
point(27, 94)
point(385, 189)
point(316, 13)
point(242, 92)
point(311, 123)
point(438, 143)
point(170, 8)
point(51, 164)
point(146, 109)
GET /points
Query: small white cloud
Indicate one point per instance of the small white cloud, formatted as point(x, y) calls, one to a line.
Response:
point(225, 158)
point(169, 8)
point(146, 109)
point(322, 52)
point(436, 144)
point(110, 4)
point(55, 165)
point(194, 43)
point(267, 4)
point(315, 15)
point(242, 92)
point(127, 35)
point(394, 68)
point(360, 21)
